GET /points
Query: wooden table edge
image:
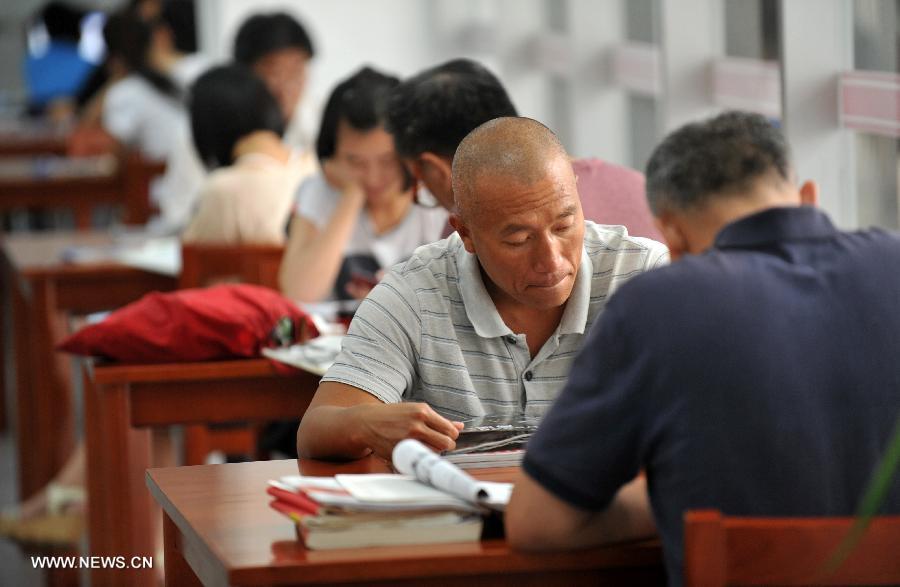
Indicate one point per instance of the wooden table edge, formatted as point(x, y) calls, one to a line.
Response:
point(116, 373)
point(211, 555)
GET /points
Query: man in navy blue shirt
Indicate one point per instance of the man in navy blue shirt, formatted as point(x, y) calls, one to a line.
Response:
point(757, 375)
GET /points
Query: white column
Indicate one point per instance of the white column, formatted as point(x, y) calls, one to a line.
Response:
point(599, 110)
point(209, 29)
point(519, 22)
point(817, 44)
point(691, 38)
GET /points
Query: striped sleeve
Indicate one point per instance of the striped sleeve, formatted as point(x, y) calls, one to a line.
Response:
point(659, 256)
point(379, 353)
point(657, 253)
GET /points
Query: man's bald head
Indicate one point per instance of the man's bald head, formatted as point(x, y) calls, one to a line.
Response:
point(518, 212)
point(517, 148)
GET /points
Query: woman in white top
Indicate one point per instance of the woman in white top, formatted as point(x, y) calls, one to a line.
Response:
point(358, 217)
point(143, 109)
point(237, 128)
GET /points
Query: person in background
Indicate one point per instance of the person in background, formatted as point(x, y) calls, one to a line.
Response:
point(146, 10)
point(278, 49)
point(431, 112)
point(54, 77)
point(485, 322)
point(237, 127)
point(173, 45)
point(142, 108)
point(172, 52)
point(749, 376)
point(356, 217)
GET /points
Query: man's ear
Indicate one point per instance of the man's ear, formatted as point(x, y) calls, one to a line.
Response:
point(673, 235)
point(465, 234)
point(439, 167)
point(809, 193)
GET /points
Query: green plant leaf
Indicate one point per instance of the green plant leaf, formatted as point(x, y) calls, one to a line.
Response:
point(872, 500)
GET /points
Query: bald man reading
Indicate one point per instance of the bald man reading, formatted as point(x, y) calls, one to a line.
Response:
point(485, 322)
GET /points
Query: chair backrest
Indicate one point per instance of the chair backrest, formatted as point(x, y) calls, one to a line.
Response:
point(208, 264)
point(721, 550)
point(613, 194)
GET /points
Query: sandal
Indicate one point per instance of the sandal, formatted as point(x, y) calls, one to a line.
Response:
point(45, 531)
point(60, 526)
point(61, 498)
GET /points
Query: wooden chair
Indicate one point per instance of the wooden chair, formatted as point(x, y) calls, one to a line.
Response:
point(206, 264)
point(722, 550)
point(203, 265)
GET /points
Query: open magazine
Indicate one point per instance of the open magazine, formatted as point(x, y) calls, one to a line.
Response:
point(492, 441)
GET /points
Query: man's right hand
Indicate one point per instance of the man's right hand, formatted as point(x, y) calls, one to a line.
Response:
point(381, 426)
point(344, 422)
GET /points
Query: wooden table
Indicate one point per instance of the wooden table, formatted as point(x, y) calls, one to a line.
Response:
point(219, 530)
point(32, 137)
point(44, 291)
point(79, 184)
point(124, 401)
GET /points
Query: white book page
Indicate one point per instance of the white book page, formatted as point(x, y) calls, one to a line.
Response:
point(498, 494)
point(396, 489)
point(304, 482)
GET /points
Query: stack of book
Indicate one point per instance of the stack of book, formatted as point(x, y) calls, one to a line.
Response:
point(431, 501)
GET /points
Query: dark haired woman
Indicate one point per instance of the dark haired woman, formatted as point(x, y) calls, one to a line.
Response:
point(237, 127)
point(142, 109)
point(358, 217)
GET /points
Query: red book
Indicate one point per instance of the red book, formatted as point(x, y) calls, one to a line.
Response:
point(288, 510)
point(297, 500)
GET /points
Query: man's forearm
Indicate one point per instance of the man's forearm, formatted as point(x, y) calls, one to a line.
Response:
point(538, 520)
point(331, 432)
point(628, 517)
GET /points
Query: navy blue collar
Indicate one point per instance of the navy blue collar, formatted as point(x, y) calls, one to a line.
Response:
point(776, 225)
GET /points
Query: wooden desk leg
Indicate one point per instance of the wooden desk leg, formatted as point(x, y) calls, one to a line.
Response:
point(178, 571)
point(83, 217)
point(25, 404)
point(136, 189)
point(5, 349)
point(44, 406)
point(119, 506)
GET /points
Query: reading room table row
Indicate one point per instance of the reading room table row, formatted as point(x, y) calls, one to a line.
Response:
point(79, 184)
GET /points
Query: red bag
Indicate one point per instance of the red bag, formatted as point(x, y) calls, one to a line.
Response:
point(220, 322)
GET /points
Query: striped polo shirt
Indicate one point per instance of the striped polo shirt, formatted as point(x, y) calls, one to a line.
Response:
point(429, 332)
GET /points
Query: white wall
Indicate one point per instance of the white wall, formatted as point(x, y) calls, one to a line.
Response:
point(406, 36)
